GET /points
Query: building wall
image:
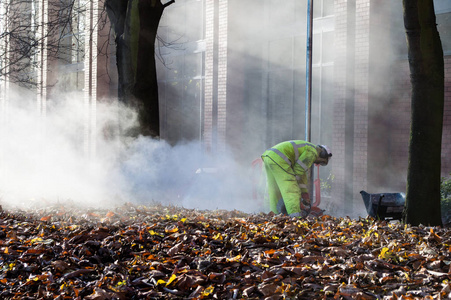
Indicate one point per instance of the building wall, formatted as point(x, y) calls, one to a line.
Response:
point(401, 122)
point(215, 94)
point(339, 145)
point(351, 98)
point(446, 140)
point(209, 93)
point(362, 56)
point(222, 72)
point(372, 121)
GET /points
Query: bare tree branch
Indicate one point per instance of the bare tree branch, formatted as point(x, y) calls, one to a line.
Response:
point(168, 3)
point(27, 29)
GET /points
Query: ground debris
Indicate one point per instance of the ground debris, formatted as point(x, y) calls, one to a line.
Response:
point(168, 252)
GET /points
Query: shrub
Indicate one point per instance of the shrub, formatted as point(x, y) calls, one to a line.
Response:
point(445, 191)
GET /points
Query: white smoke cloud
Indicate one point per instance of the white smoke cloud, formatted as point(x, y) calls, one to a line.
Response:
point(45, 159)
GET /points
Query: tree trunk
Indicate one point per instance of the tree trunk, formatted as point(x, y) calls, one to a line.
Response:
point(116, 10)
point(427, 79)
point(135, 23)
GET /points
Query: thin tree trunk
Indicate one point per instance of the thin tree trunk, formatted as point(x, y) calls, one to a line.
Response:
point(427, 79)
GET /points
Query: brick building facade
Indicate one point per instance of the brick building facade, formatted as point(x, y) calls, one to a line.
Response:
point(233, 78)
point(253, 93)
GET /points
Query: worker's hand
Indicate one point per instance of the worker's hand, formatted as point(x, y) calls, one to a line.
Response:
point(305, 204)
point(305, 196)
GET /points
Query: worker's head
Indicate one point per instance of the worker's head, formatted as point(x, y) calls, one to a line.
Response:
point(324, 154)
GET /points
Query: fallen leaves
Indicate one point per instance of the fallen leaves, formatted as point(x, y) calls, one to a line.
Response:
point(154, 252)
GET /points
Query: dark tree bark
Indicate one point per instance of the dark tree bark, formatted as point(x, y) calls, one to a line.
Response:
point(117, 10)
point(135, 23)
point(427, 78)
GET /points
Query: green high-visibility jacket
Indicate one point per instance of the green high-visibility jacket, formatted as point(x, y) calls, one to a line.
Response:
point(294, 157)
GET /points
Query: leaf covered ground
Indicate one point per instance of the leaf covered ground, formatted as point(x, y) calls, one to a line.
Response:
point(158, 252)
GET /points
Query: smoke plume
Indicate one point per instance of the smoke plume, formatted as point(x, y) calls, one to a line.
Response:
point(63, 154)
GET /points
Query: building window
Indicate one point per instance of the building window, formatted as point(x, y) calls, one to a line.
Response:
point(72, 46)
point(442, 6)
point(323, 8)
point(180, 52)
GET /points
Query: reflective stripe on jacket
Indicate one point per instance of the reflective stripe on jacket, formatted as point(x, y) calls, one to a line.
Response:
point(299, 155)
